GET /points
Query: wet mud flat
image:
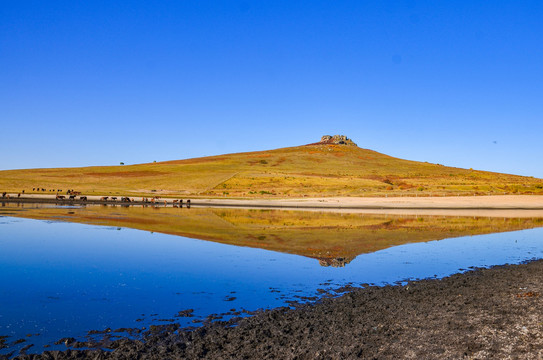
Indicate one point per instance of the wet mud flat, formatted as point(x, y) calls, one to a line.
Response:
point(484, 313)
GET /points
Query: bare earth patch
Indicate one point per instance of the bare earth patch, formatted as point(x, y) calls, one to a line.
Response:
point(126, 173)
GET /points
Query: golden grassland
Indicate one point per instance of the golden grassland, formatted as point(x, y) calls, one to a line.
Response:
point(322, 235)
point(303, 171)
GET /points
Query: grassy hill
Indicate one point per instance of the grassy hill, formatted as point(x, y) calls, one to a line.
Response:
point(312, 170)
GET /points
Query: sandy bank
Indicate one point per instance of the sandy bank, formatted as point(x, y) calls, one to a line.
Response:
point(504, 202)
point(464, 202)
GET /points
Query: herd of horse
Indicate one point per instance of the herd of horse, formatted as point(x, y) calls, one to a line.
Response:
point(54, 190)
point(126, 199)
point(72, 195)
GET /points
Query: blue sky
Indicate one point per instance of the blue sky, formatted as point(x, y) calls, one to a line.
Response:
point(99, 82)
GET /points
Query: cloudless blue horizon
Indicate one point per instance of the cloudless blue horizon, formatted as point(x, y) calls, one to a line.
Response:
point(99, 83)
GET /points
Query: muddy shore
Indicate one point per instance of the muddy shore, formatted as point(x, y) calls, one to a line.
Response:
point(480, 314)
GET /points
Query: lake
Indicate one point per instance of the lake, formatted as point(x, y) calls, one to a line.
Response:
point(68, 270)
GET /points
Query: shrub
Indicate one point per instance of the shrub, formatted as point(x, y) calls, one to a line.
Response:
point(404, 186)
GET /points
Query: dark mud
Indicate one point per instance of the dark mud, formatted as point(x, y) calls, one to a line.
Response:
point(482, 314)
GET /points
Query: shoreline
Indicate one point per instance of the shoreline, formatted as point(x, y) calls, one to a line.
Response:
point(492, 202)
point(483, 313)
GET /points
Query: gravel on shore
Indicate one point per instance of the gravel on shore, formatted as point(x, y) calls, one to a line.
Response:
point(481, 314)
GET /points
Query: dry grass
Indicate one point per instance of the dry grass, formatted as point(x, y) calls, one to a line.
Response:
point(312, 170)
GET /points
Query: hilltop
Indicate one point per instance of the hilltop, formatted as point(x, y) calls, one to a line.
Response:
point(334, 166)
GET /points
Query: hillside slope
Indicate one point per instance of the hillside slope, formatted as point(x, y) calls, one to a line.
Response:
point(321, 169)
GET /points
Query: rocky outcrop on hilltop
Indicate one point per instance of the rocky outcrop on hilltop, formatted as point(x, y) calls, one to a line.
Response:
point(337, 140)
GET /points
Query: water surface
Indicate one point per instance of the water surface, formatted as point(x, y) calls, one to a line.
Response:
point(62, 279)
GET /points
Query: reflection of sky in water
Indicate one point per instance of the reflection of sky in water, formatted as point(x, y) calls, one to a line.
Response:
point(63, 279)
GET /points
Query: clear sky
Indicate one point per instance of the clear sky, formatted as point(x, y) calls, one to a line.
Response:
point(99, 82)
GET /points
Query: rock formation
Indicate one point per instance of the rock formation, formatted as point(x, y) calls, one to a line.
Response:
point(337, 139)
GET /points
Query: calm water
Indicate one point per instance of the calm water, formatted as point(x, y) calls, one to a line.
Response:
point(64, 279)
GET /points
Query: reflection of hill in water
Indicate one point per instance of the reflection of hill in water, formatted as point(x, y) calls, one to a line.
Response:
point(333, 238)
point(334, 262)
